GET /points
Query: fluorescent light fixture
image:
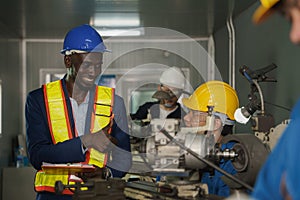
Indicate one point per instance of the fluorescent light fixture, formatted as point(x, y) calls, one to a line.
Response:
point(116, 20)
point(120, 32)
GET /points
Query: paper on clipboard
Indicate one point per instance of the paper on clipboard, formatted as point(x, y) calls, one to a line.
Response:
point(69, 168)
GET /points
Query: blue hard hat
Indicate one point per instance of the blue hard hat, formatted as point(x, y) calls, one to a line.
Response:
point(83, 39)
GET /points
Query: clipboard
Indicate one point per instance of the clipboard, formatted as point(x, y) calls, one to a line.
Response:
point(67, 169)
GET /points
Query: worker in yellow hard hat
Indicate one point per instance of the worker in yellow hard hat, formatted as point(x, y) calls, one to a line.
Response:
point(223, 100)
point(279, 178)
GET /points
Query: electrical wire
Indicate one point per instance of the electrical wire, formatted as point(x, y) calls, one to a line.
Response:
point(261, 96)
point(282, 107)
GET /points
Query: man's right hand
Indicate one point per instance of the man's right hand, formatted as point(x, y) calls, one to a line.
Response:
point(99, 141)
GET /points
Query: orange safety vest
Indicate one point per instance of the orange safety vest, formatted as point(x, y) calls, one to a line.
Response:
point(60, 128)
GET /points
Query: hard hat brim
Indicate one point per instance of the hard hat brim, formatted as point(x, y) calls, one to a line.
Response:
point(101, 48)
point(264, 11)
point(261, 14)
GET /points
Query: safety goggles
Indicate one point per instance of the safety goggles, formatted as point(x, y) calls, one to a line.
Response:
point(173, 92)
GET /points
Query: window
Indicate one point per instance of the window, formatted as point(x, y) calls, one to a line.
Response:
point(51, 74)
point(141, 96)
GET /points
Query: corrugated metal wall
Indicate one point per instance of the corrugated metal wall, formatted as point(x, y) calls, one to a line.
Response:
point(10, 75)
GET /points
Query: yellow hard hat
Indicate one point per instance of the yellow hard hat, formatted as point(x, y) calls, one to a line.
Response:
point(264, 10)
point(218, 94)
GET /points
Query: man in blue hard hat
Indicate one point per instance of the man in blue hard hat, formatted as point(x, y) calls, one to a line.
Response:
point(279, 178)
point(72, 120)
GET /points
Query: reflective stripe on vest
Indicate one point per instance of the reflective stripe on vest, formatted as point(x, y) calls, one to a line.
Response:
point(60, 128)
point(46, 182)
point(101, 117)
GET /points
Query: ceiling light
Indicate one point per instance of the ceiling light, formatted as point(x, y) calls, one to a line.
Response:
point(116, 20)
point(120, 32)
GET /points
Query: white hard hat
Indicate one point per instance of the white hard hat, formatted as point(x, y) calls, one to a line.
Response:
point(173, 77)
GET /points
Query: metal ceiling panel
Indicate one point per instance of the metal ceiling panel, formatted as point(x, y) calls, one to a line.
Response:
point(51, 18)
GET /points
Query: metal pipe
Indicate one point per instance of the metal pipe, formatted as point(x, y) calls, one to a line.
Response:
point(230, 52)
point(231, 37)
point(233, 52)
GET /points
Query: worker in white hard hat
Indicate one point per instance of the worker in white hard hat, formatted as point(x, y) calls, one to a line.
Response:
point(172, 83)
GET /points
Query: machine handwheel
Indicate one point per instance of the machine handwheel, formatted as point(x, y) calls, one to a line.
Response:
point(241, 162)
